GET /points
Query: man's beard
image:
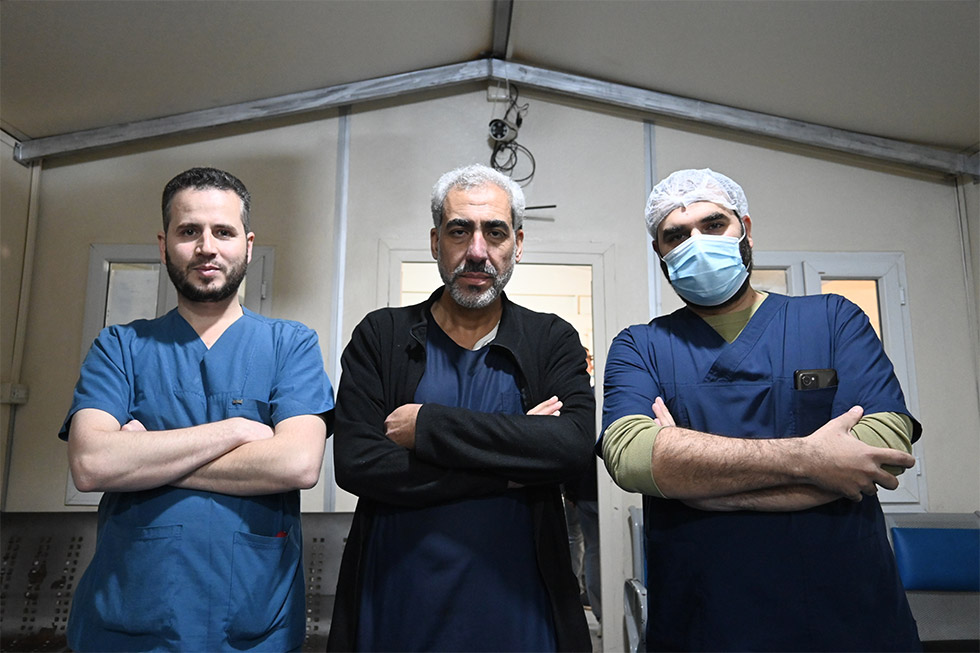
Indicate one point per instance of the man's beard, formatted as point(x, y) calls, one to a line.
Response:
point(488, 296)
point(233, 279)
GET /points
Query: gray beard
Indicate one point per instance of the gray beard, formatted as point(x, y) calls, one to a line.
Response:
point(484, 299)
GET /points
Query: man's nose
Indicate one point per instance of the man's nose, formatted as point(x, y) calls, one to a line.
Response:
point(205, 244)
point(477, 250)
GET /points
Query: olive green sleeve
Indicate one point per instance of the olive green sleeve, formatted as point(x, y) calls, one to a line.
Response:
point(627, 449)
point(887, 431)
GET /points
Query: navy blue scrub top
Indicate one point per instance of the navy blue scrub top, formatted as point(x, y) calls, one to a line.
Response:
point(818, 579)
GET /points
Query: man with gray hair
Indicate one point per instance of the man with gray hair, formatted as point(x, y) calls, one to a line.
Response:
point(759, 428)
point(457, 420)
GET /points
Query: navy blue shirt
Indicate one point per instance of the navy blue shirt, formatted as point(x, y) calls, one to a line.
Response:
point(421, 561)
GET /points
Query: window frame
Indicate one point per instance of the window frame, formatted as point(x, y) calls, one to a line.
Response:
point(804, 273)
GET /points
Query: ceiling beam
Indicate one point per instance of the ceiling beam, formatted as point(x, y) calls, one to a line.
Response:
point(752, 122)
point(274, 107)
point(642, 100)
point(502, 12)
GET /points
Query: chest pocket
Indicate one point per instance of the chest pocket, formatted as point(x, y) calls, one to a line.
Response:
point(812, 409)
point(224, 405)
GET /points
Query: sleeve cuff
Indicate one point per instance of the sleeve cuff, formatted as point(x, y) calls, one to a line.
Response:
point(627, 449)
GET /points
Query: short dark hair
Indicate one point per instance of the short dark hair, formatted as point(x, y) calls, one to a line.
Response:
point(202, 179)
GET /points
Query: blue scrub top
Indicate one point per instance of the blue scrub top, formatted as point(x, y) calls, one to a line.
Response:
point(461, 576)
point(178, 569)
point(819, 579)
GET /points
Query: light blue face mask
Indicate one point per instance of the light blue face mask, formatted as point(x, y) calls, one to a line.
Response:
point(707, 270)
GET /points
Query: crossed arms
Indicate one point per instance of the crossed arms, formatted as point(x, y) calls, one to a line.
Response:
point(431, 454)
point(719, 473)
point(234, 456)
point(647, 452)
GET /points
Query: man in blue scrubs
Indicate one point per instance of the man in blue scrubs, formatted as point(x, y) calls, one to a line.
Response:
point(457, 419)
point(200, 427)
point(759, 428)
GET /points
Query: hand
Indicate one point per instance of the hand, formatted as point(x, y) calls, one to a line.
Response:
point(837, 461)
point(133, 425)
point(250, 430)
point(550, 406)
point(662, 416)
point(400, 425)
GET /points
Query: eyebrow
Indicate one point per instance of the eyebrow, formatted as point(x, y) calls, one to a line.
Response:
point(706, 219)
point(489, 224)
point(200, 225)
point(497, 224)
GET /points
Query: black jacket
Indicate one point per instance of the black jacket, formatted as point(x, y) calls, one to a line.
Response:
point(461, 453)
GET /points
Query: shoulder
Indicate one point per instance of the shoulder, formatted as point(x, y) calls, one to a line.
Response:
point(143, 330)
point(530, 320)
point(834, 307)
point(539, 330)
point(287, 339)
point(390, 318)
point(276, 325)
point(662, 325)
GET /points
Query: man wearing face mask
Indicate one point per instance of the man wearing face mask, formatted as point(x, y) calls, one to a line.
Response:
point(759, 428)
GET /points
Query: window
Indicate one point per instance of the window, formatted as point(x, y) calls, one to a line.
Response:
point(128, 282)
point(875, 281)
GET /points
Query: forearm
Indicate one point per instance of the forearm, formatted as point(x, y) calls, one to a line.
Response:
point(627, 449)
point(785, 498)
point(290, 460)
point(676, 463)
point(104, 457)
point(528, 449)
point(694, 465)
point(690, 465)
point(367, 464)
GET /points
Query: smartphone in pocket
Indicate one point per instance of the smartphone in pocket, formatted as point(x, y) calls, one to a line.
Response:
point(814, 379)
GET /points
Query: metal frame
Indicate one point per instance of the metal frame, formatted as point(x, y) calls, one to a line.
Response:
point(807, 269)
point(493, 69)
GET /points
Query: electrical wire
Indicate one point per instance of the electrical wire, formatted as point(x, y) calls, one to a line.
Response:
point(506, 155)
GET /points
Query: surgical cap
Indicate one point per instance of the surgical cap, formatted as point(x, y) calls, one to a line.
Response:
point(685, 187)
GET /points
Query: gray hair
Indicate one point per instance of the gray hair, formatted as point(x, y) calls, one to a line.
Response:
point(685, 187)
point(475, 176)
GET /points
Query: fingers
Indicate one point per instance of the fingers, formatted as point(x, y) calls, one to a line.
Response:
point(848, 420)
point(896, 458)
point(889, 461)
point(662, 416)
point(551, 406)
point(887, 481)
point(133, 425)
